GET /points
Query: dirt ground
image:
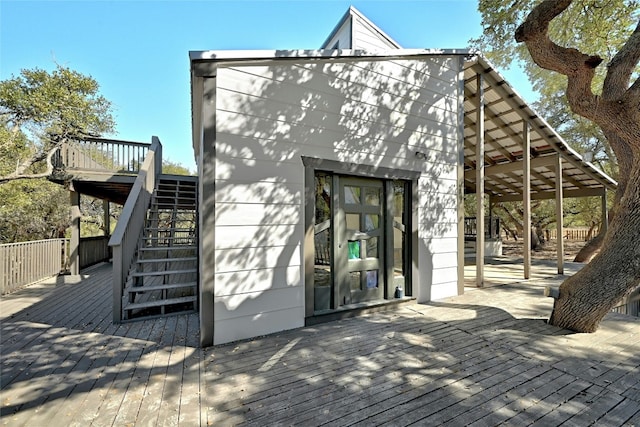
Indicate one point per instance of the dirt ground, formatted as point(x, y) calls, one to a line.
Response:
point(512, 248)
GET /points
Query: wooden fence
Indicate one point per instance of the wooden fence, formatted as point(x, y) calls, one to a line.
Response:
point(630, 305)
point(94, 250)
point(574, 234)
point(28, 262)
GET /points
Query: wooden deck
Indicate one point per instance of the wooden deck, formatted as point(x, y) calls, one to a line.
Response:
point(481, 359)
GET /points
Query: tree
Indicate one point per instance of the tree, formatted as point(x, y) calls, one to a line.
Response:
point(39, 110)
point(174, 168)
point(593, 26)
point(607, 96)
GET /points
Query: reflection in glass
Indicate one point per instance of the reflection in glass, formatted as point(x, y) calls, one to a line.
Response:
point(371, 222)
point(354, 279)
point(372, 247)
point(353, 221)
point(354, 249)
point(399, 233)
point(322, 277)
point(351, 194)
point(372, 279)
point(372, 196)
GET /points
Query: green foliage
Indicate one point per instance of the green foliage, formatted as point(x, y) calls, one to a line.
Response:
point(596, 27)
point(38, 109)
point(174, 168)
point(61, 102)
point(32, 210)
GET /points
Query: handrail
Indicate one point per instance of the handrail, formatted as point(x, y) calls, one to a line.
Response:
point(125, 237)
point(100, 154)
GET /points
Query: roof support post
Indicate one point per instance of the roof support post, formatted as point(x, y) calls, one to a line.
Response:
point(480, 182)
point(74, 245)
point(526, 197)
point(559, 215)
point(605, 211)
point(107, 217)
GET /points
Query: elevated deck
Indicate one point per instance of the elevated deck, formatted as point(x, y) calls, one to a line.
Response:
point(98, 167)
point(483, 358)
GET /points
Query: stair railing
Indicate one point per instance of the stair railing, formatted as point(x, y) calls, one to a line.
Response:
point(124, 240)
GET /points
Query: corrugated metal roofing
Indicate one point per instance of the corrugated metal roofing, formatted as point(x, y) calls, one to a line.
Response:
point(505, 116)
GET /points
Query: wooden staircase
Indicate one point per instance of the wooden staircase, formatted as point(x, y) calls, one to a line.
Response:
point(163, 279)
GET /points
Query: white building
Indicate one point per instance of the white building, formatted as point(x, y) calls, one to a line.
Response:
point(332, 180)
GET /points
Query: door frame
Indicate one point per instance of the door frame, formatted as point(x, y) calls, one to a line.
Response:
point(313, 164)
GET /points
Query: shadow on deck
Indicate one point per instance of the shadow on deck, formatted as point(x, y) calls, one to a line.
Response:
point(482, 358)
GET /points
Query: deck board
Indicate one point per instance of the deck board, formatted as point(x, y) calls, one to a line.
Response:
point(482, 359)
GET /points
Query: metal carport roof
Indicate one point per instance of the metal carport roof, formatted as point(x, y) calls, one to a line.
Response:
point(505, 116)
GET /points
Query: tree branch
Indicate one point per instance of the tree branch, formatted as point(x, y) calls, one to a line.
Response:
point(18, 174)
point(621, 68)
point(577, 66)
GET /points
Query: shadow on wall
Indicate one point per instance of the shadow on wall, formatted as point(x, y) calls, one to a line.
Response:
point(376, 113)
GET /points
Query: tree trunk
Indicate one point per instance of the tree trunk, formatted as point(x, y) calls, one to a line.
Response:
point(590, 250)
point(535, 239)
point(586, 297)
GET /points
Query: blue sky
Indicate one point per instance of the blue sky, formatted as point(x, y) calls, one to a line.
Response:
point(138, 50)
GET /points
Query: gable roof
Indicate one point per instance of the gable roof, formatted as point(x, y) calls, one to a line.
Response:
point(354, 16)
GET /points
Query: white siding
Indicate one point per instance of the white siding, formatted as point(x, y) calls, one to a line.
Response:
point(367, 37)
point(375, 113)
point(342, 37)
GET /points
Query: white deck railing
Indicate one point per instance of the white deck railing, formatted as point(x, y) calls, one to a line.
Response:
point(125, 237)
point(97, 154)
point(27, 262)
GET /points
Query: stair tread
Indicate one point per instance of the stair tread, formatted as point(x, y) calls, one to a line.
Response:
point(169, 229)
point(152, 260)
point(148, 288)
point(167, 248)
point(166, 237)
point(163, 272)
point(161, 302)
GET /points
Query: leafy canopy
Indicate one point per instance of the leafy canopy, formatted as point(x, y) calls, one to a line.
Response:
point(596, 27)
point(38, 109)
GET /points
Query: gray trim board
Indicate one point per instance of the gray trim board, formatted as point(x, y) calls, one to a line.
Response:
point(358, 169)
point(206, 215)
